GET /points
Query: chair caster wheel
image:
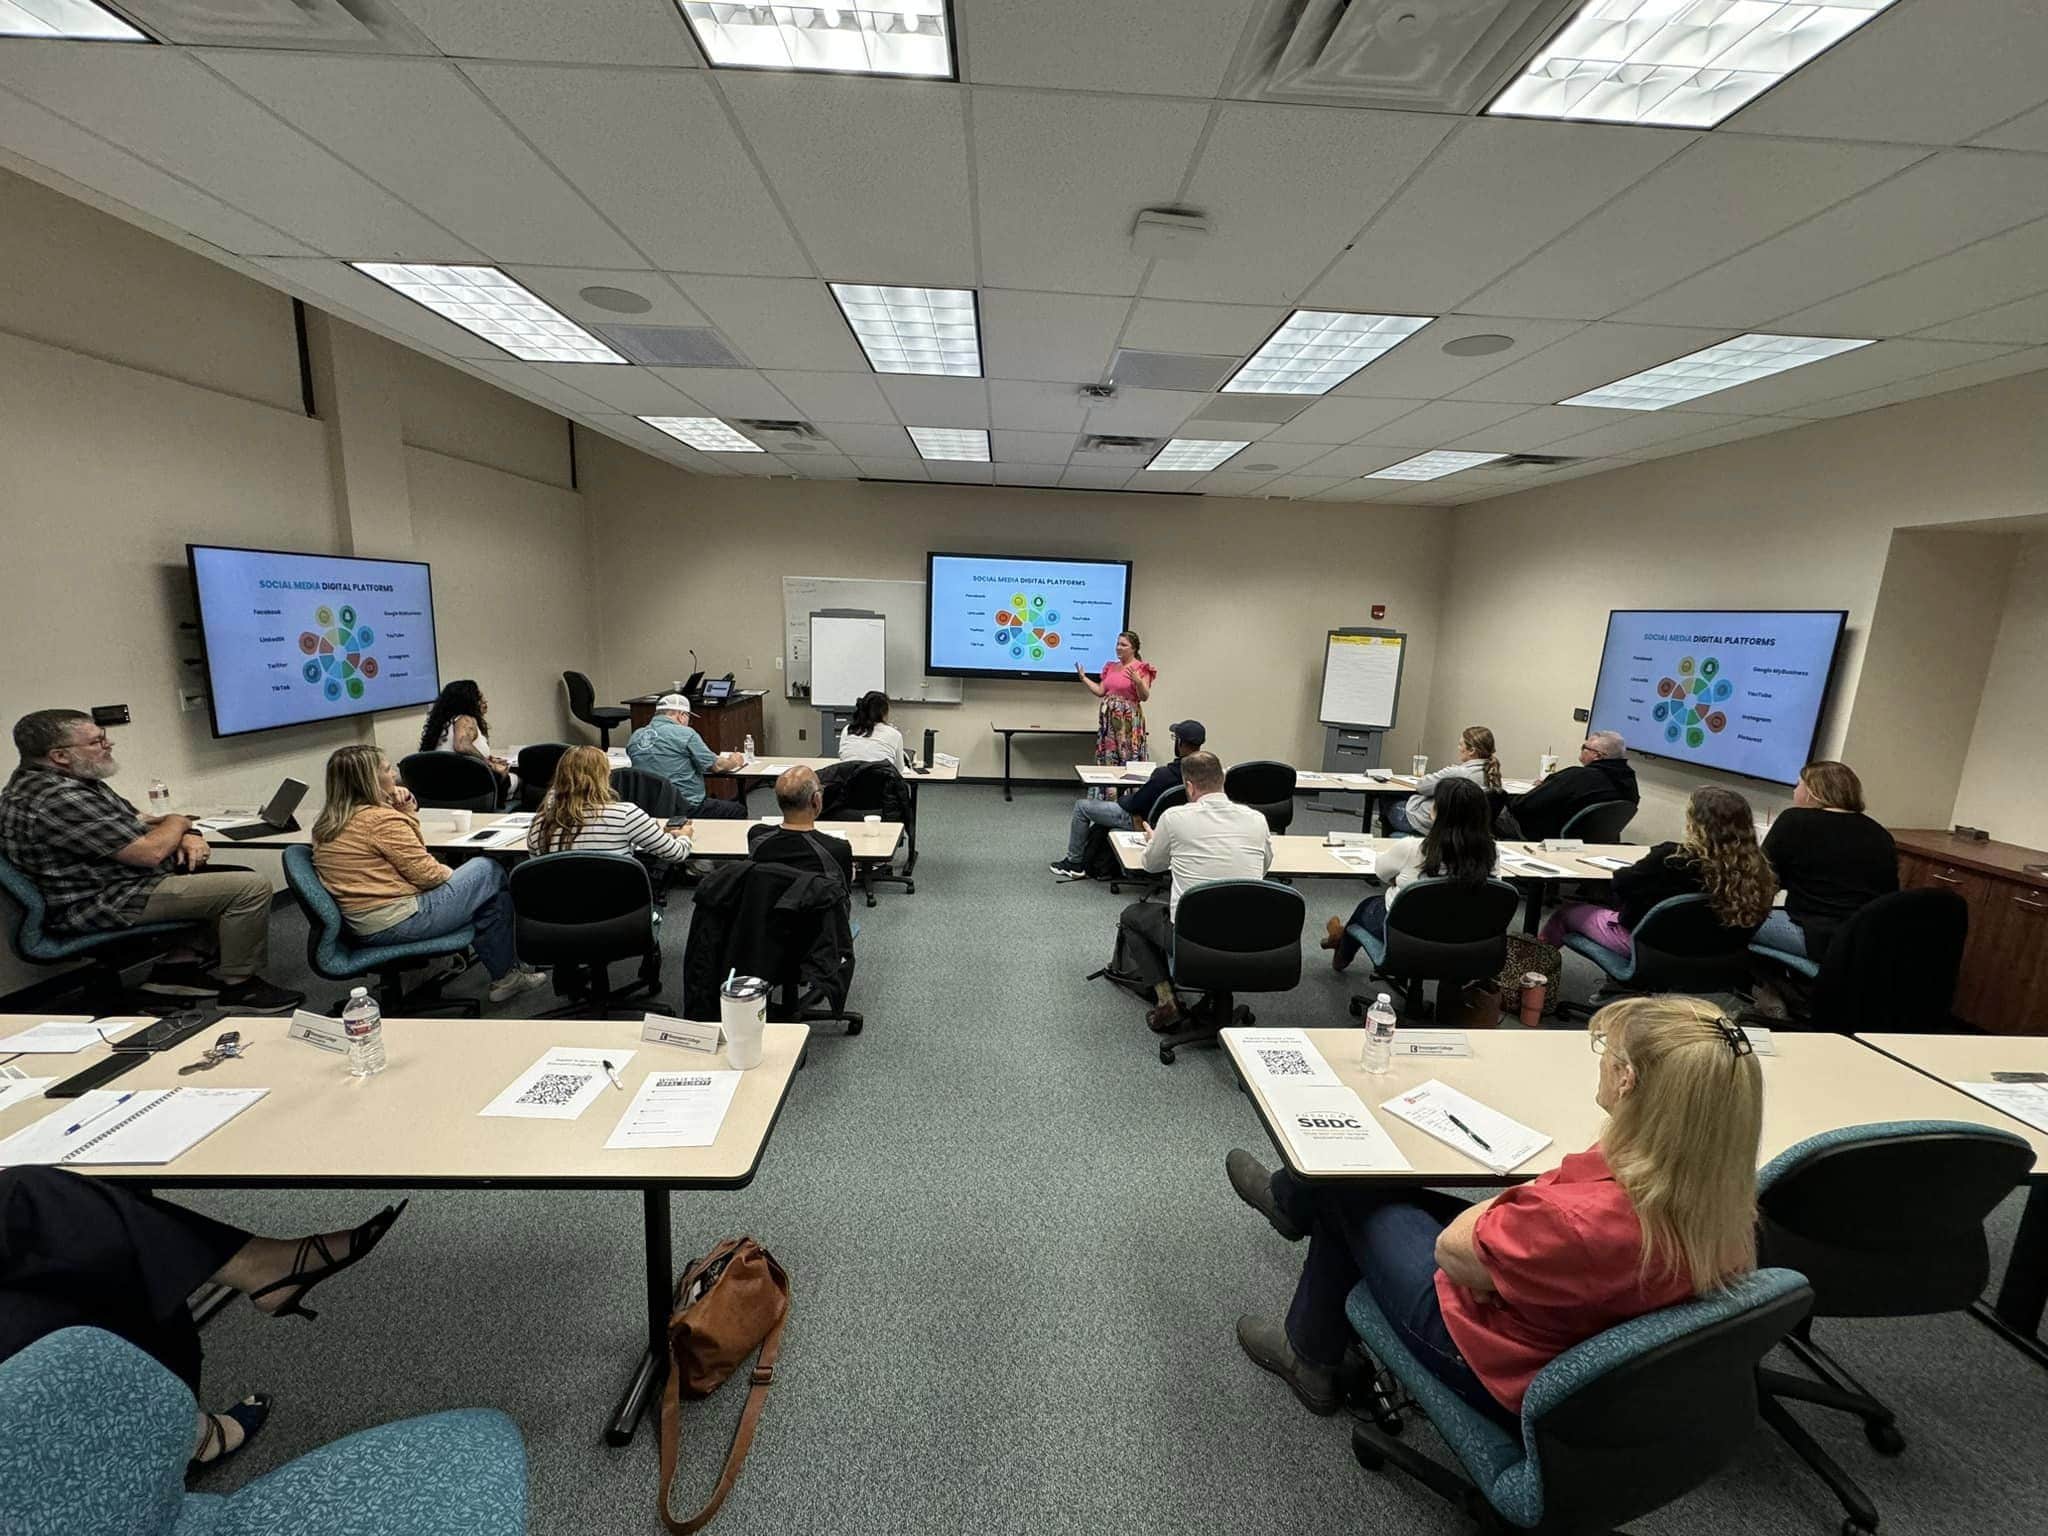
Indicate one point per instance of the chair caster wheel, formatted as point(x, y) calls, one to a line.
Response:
point(1368, 1455)
point(1884, 1438)
point(909, 888)
point(1854, 1527)
point(1166, 1054)
point(855, 1028)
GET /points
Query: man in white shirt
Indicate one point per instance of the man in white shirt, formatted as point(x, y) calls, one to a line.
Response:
point(1209, 838)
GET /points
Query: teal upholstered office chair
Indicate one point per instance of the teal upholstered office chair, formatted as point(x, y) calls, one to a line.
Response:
point(1611, 1429)
point(1679, 946)
point(1442, 931)
point(104, 955)
point(339, 955)
point(97, 1435)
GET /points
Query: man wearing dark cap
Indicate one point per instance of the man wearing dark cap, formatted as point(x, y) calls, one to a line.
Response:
point(1131, 811)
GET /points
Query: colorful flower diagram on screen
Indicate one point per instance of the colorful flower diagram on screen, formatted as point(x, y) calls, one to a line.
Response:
point(1026, 627)
point(1688, 704)
point(338, 660)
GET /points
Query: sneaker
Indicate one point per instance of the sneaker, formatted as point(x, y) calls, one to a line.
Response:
point(1161, 1020)
point(186, 978)
point(516, 981)
point(1065, 871)
point(1254, 1186)
point(257, 996)
point(1265, 1340)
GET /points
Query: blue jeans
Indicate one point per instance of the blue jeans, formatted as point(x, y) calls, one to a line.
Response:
point(1395, 814)
point(476, 895)
point(1093, 813)
point(1780, 932)
point(1371, 915)
point(1387, 1238)
point(711, 808)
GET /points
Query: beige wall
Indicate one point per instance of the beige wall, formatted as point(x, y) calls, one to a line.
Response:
point(2002, 777)
point(1799, 519)
point(1232, 597)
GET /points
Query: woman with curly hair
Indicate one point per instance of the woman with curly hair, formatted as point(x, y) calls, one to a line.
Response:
point(1718, 856)
point(457, 723)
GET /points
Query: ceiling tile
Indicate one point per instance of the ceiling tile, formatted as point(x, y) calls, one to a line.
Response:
point(333, 285)
point(1301, 485)
point(1420, 369)
point(1039, 448)
point(166, 109)
point(1589, 356)
point(1358, 459)
point(416, 127)
point(1887, 362)
point(1059, 179)
point(1163, 480)
point(834, 396)
point(891, 469)
point(1086, 45)
point(824, 466)
point(2027, 131)
point(1215, 420)
point(729, 391)
point(1441, 421)
point(1146, 412)
point(1224, 482)
point(937, 402)
point(957, 473)
point(1921, 74)
point(2026, 320)
point(1028, 474)
point(529, 383)
point(1090, 478)
point(872, 172)
point(1498, 191)
point(1340, 418)
point(1050, 336)
point(656, 154)
point(1991, 272)
point(1036, 407)
point(2011, 364)
point(1538, 430)
point(778, 322)
point(1645, 429)
point(562, 287)
point(1938, 205)
point(1734, 432)
point(867, 440)
point(1215, 330)
point(1700, 207)
point(1285, 458)
point(643, 32)
point(655, 444)
point(636, 391)
point(1285, 188)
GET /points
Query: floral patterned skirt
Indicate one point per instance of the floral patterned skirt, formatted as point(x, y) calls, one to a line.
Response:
point(1120, 732)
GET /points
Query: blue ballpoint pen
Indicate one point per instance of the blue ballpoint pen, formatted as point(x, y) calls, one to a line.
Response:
point(73, 1130)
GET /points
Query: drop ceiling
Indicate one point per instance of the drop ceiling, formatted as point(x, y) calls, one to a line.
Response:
point(1896, 189)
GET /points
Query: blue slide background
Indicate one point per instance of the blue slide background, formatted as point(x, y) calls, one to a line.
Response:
point(1770, 678)
point(1086, 600)
point(254, 605)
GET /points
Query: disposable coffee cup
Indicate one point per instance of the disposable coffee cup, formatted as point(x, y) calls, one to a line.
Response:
point(676, 686)
point(461, 821)
point(1418, 765)
point(743, 1014)
point(1546, 765)
point(872, 820)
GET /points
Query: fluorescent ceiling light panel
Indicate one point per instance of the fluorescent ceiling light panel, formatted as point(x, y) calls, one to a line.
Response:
point(1195, 453)
point(1719, 367)
point(487, 303)
point(902, 37)
point(914, 330)
point(1433, 466)
point(705, 432)
point(1318, 349)
point(969, 443)
point(65, 18)
point(1675, 63)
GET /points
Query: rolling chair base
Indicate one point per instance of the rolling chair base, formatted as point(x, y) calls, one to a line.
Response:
point(1373, 1446)
point(1206, 1020)
point(424, 1001)
point(1836, 1389)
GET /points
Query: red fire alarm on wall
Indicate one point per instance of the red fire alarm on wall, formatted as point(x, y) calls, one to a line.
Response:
point(1379, 610)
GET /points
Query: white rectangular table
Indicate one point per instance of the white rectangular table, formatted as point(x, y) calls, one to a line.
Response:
point(767, 769)
point(1307, 781)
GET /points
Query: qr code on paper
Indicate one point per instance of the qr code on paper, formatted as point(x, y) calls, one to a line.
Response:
point(1286, 1064)
point(555, 1088)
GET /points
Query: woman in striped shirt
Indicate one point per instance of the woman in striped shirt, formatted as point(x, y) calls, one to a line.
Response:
point(580, 813)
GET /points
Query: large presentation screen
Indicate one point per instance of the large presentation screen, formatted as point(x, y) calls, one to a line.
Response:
point(296, 638)
point(1737, 690)
point(1016, 616)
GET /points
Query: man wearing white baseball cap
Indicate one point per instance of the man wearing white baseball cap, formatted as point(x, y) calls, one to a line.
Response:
point(668, 747)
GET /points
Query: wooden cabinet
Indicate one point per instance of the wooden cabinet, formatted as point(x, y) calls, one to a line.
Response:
point(2004, 984)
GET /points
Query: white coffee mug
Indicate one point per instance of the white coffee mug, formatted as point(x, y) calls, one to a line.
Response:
point(461, 821)
point(743, 1015)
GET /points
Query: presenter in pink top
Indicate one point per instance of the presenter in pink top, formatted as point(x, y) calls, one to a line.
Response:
point(1125, 686)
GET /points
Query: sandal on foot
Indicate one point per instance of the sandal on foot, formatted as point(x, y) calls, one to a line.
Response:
point(360, 1242)
point(250, 1413)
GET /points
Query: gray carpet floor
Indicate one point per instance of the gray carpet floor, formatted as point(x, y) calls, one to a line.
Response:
point(1016, 1265)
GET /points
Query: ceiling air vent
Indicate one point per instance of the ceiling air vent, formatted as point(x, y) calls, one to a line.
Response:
point(304, 26)
point(1169, 370)
point(786, 433)
point(1532, 461)
point(1109, 442)
point(1098, 391)
point(1408, 55)
point(671, 346)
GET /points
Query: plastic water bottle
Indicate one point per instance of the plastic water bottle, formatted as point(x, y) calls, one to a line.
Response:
point(747, 748)
point(1378, 1055)
point(159, 798)
point(363, 1022)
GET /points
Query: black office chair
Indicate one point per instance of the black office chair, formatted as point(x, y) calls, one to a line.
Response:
point(858, 787)
point(1884, 1221)
point(1681, 945)
point(778, 943)
point(1267, 787)
point(1602, 823)
point(1439, 930)
point(1232, 936)
point(1153, 884)
point(650, 791)
point(537, 766)
point(584, 706)
point(449, 781)
point(1891, 968)
point(579, 912)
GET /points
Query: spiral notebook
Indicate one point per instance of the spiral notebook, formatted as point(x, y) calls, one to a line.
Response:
point(139, 1126)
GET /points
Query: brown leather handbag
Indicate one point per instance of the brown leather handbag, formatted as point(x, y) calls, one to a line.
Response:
point(729, 1303)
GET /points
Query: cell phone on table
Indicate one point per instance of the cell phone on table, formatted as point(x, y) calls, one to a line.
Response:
point(478, 837)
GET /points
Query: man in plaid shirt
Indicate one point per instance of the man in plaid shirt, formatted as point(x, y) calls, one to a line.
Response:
point(99, 865)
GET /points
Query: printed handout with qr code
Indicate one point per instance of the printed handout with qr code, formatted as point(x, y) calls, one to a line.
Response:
point(560, 1086)
point(1282, 1056)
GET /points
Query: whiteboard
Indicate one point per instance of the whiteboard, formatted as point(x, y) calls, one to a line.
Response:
point(1361, 679)
point(901, 603)
point(846, 659)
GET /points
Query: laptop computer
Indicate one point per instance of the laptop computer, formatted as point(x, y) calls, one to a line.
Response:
point(275, 817)
point(717, 691)
point(690, 688)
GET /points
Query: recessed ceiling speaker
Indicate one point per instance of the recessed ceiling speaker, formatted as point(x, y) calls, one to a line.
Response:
point(1478, 346)
point(618, 301)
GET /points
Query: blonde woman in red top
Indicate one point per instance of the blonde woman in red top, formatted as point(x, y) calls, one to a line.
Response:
point(1125, 685)
point(1661, 1209)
